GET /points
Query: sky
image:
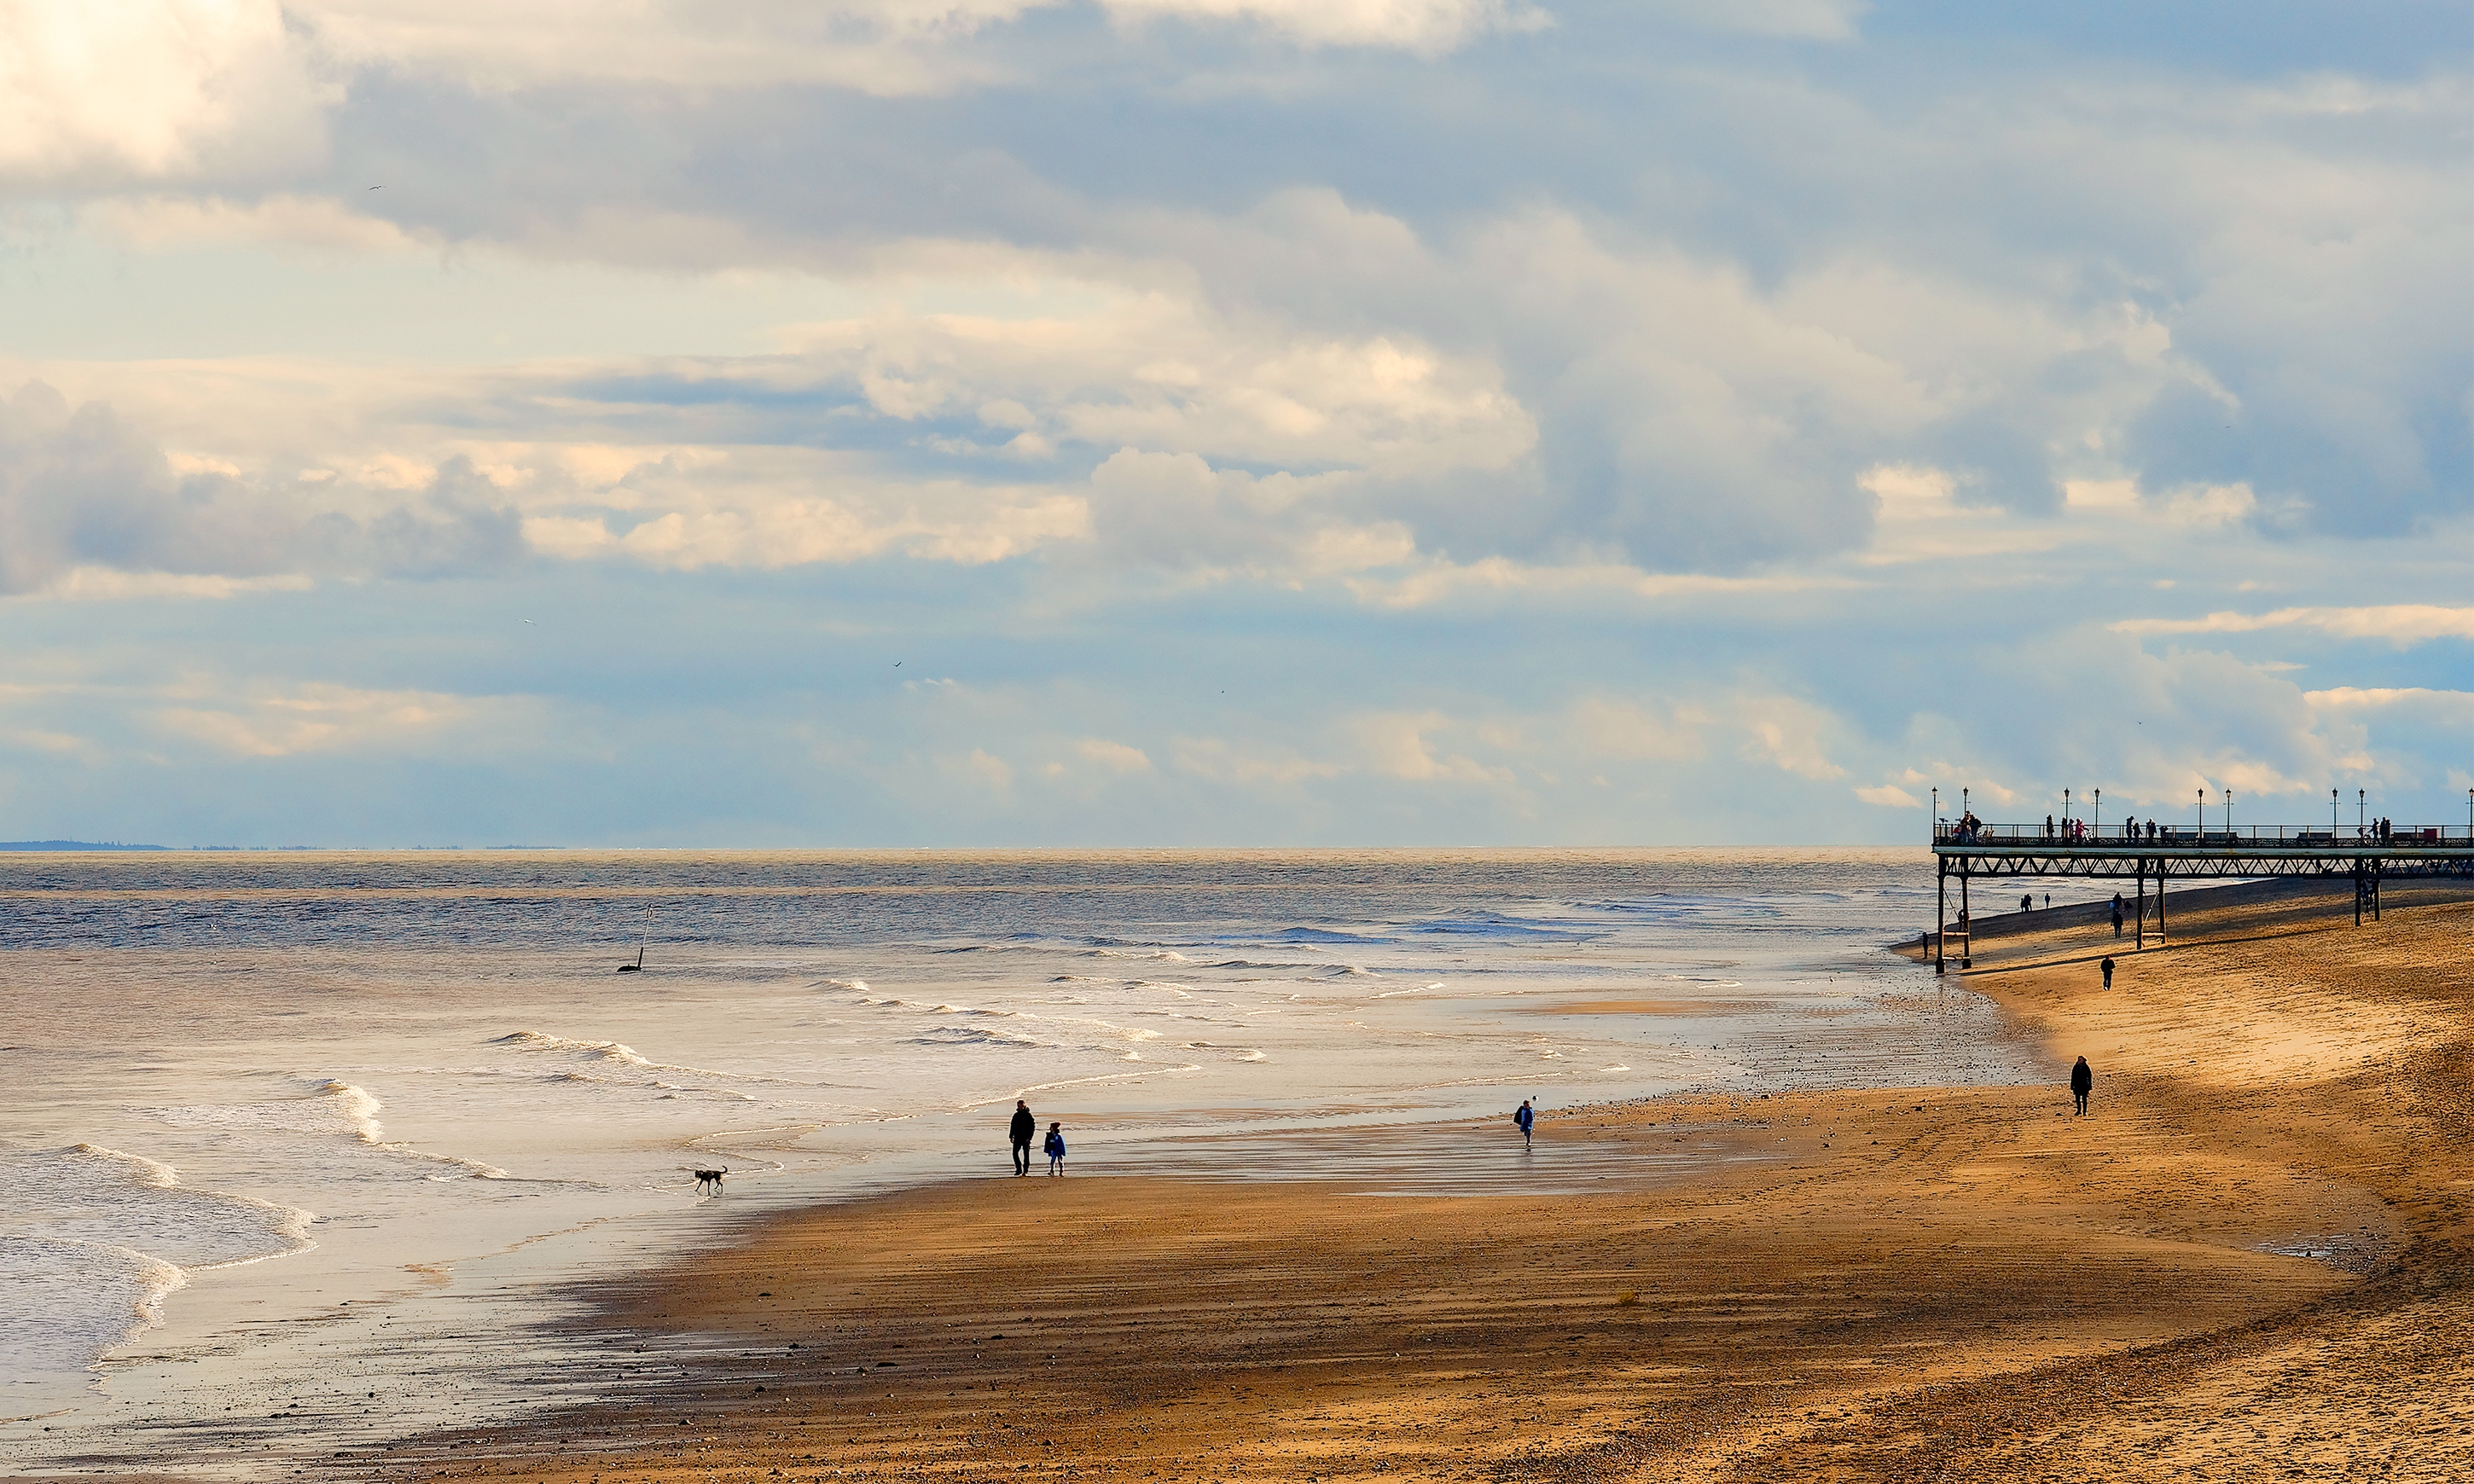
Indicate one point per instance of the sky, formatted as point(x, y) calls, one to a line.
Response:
point(1228, 422)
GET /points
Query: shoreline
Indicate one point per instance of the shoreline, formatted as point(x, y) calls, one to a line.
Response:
point(1751, 1326)
point(1954, 1280)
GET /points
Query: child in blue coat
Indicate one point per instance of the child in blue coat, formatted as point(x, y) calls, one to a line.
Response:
point(1056, 1148)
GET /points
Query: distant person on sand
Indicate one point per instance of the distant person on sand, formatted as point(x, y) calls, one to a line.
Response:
point(2116, 913)
point(1024, 1127)
point(2026, 901)
point(1527, 1118)
point(2108, 967)
point(1055, 1149)
point(2081, 1080)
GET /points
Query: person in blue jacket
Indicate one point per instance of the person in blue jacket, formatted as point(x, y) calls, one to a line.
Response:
point(1526, 1118)
point(1055, 1149)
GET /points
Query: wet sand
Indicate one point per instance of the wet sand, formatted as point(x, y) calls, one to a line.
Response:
point(2254, 1259)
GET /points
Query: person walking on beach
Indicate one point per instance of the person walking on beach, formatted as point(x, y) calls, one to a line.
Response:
point(2116, 913)
point(1022, 1127)
point(2081, 1081)
point(2108, 967)
point(1055, 1149)
point(1527, 1118)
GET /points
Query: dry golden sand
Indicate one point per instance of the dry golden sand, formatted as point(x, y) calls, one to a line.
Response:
point(1946, 1285)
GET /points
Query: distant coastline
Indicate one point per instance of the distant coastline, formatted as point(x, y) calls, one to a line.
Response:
point(73, 844)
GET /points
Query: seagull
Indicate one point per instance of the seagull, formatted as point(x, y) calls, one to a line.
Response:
point(897, 664)
point(377, 187)
point(530, 621)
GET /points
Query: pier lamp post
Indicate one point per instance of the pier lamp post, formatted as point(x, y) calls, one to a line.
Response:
point(2066, 810)
point(2332, 815)
point(2229, 814)
point(2361, 812)
point(2203, 814)
point(2097, 827)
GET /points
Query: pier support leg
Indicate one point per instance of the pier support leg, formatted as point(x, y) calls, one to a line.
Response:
point(2358, 893)
point(1941, 912)
point(2160, 904)
point(1967, 927)
point(2139, 934)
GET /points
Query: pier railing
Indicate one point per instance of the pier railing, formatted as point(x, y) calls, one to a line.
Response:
point(2249, 837)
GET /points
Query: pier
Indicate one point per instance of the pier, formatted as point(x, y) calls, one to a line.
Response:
point(1969, 852)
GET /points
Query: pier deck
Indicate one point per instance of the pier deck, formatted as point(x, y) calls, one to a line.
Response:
point(2011, 851)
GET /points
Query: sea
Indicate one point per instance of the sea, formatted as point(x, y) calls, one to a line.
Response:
point(303, 1151)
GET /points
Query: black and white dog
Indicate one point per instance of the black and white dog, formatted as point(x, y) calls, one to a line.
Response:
point(711, 1178)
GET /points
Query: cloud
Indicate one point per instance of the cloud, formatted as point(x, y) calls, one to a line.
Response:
point(990, 769)
point(330, 718)
point(2401, 624)
point(1222, 762)
point(80, 489)
point(1428, 27)
point(1397, 746)
point(884, 47)
point(1115, 756)
point(1805, 20)
point(1787, 733)
point(1889, 795)
point(153, 89)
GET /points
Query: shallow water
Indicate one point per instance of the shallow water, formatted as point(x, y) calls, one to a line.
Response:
point(292, 1129)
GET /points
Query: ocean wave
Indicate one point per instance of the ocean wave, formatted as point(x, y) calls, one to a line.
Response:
point(853, 986)
point(1488, 925)
point(102, 1197)
point(604, 1050)
point(971, 1036)
point(359, 1109)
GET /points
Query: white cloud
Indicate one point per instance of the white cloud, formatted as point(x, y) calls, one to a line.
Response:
point(1889, 795)
point(153, 89)
point(1115, 756)
point(990, 768)
point(2401, 624)
point(1154, 370)
point(1806, 20)
point(1222, 762)
point(329, 718)
point(1789, 735)
point(155, 223)
point(1424, 25)
point(1396, 744)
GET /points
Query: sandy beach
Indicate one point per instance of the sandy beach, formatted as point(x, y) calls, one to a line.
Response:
point(2252, 1258)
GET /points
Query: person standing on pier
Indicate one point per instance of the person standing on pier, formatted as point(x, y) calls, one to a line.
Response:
point(2083, 1081)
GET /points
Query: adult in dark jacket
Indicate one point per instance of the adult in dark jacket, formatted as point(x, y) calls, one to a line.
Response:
point(2081, 1081)
point(1023, 1129)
